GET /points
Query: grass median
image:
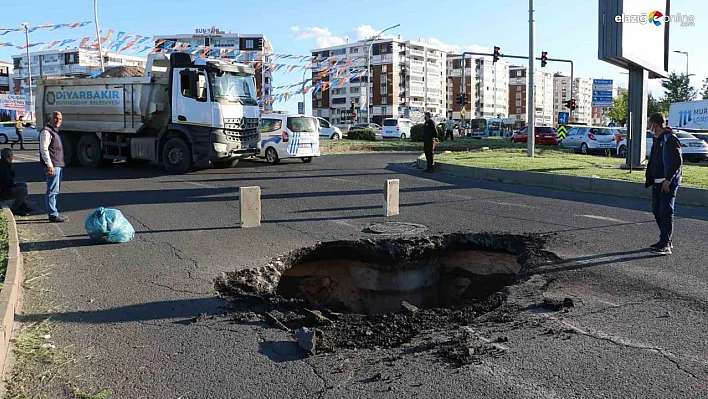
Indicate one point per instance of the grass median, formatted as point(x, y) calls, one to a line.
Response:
point(459, 144)
point(563, 163)
point(4, 248)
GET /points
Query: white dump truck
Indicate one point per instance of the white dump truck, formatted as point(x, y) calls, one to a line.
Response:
point(183, 113)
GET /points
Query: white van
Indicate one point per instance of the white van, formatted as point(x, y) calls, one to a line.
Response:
point(284, 136)
point(399, 128)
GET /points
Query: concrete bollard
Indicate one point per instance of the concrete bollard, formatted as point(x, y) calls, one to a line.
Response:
point(250, 205)
point(391, 197)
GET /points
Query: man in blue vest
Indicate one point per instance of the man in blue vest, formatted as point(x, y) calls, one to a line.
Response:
point(663, 175)
point(51, 154)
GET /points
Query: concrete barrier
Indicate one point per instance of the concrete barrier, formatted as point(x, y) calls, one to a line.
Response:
point(250, 204)
point(10, 293)
point(618, 188)
point(391, 198)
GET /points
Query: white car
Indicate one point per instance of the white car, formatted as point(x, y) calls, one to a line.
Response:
point(588, 139)
point(327, 130)
point(285, 136)
point(8, 135)
point(399, 128)
point(694, 149)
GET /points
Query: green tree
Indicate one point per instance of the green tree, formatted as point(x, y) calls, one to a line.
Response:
point(618, 112)
point(677, 89)
point(704, 90)
point(654, 105)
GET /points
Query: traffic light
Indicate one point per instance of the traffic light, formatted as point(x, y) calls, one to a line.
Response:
point(567, 103)
point(461, 99)
point(544, 58)
point(496, 53)
point(573, 105)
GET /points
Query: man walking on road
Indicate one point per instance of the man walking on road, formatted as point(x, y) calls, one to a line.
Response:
point(429, 137)
point(663, 174)
point(19, 129)
point(51, 153)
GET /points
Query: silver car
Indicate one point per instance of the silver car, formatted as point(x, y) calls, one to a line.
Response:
point(587, 139)
point(7, 134)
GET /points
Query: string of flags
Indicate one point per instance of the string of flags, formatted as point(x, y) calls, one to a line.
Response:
point(73, 25)
point(121, 43)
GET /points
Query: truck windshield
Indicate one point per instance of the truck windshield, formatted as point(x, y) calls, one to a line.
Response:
point(232, 87)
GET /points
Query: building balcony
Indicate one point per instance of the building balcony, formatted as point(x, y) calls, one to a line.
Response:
point(417, 53)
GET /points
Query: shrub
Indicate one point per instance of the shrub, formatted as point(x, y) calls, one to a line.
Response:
point(362, 134)
point(417, 132)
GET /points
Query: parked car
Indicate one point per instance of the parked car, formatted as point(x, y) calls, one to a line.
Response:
point(327, 130)
point(587, 139)
point(544, 135)
point(694, 149)
point(7, 134)
point(288, 136)
point(373, 126)
point(399, 128)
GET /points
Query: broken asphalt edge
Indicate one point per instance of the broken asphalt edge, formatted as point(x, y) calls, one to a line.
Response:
point(10, 295)
point(618, 188)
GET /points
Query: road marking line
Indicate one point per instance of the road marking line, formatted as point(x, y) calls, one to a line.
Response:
point(605, 218)
point(508, 204)
point(337, 179)
point(342, 223)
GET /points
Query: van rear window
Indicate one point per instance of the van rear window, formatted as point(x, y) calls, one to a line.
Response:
point(391, 122)
point(302, 124)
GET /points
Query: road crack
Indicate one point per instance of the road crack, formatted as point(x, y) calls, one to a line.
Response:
point(668, 355)
point(176, 289)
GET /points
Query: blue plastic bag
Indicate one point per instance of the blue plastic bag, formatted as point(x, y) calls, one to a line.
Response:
point(108, 226)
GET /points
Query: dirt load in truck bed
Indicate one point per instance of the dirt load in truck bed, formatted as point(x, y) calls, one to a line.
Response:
point(122, 72)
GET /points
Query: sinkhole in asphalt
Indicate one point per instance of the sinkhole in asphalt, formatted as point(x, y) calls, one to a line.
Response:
point(373, 277)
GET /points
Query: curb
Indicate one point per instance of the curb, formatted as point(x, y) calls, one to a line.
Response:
point(10, 293)
point(617, 188)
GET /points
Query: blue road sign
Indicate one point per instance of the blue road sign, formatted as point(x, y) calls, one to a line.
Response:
point(602, 92)
point(611, 124)
point(563, 118)
point(300, 107)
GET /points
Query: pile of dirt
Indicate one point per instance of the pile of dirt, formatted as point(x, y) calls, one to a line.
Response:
point(122, 72)
point(256, 296)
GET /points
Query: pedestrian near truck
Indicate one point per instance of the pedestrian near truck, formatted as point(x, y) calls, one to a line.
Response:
point(663, 175)
point(19, 130)
point(429, 139)
point(51, 154)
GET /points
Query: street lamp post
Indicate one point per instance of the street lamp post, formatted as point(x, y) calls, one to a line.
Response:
point(368, 75)
point(304, 107)
point(687, 75)
point(98, 35)
point(29, 69)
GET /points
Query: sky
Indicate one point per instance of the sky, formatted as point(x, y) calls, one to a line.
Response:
point(566, 30)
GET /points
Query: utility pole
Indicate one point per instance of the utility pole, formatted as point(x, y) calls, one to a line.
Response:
point(98, 35)
point(530, 105)
point(29, 70)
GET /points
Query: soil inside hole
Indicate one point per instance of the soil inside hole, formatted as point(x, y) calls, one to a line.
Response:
point(353, 292)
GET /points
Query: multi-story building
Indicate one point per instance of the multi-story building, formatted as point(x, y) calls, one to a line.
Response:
point(5, 81)
point(543, 95)
point(69, 62)
point(215, 38)
point(486, 87)
point(582, 92)
point(407, 79)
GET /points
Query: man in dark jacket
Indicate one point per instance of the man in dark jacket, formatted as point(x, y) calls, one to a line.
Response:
point(9, 189)
point(430, 134)
point(663, 175)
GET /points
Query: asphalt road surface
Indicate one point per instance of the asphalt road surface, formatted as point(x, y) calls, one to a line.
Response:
point(638, 329)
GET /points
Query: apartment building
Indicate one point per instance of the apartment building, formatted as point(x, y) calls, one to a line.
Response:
point(69, 62)
point(407, 79)
point(543, 95)
point(582, 92)
point(486, 87)
point(216, 38)
point(5, 80)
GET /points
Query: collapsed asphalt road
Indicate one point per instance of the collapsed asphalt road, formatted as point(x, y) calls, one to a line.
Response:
point(145, 319)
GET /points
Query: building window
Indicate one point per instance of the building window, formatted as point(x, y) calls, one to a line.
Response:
point(384, 68)
point(384, 100)
point(354, 90)
point(249, 44)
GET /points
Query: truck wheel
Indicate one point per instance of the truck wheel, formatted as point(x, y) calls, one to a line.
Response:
point(176, 156)
point(68, 144)
point(88, 151)
point(225, 164)
point(271, 156)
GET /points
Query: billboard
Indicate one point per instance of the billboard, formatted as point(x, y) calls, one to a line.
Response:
point(635, 34)
point(602, 92)
point(13, 102)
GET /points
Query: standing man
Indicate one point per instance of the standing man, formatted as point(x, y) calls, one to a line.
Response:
point(19, 129)
point(51, 152)
point(663, 175)
point(429, 138)
point(449, 127)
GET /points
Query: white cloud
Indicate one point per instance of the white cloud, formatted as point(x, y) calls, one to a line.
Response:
point(323, 36)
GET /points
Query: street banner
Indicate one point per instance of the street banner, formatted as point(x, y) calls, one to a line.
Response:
point(13, 102)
